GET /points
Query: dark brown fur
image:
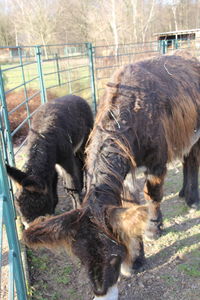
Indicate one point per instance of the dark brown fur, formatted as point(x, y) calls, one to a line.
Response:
point(149, 115)
point(101, 252)
point(58, 135)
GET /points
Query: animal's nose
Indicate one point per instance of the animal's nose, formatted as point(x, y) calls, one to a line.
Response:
point(112, 294)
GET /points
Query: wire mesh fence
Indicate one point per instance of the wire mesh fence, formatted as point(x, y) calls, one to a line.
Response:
point(33, 76)
point(110, 58)
point(29, 77)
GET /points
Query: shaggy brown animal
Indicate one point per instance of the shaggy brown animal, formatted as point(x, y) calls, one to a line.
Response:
point(58, 135)
point(103, 254)
point(149, 116)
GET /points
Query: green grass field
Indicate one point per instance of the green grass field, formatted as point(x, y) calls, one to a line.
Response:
point(71, 75)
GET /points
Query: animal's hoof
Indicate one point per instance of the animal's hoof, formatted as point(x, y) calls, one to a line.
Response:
point(193, 203)
point(152, 234)
point(181, 194)
point(194, 206)
point(138, 267)
point(138, 264)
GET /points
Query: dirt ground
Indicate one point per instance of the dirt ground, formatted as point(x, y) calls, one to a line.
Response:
point(171, 271)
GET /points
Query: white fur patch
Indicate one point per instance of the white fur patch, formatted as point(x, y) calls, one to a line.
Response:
point(112, 294)
point(26, 225)
point(78, 146)
point(125, 269)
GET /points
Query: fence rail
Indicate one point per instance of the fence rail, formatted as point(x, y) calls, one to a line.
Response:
point(34, 75)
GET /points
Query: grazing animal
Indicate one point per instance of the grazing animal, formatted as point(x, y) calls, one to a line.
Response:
point(148, 116)
point(103, 254)
point(58, 135)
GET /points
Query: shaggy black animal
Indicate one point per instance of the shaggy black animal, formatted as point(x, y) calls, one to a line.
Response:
point(58, 135)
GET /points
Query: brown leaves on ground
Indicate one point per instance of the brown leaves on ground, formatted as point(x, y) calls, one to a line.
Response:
point(16, 117)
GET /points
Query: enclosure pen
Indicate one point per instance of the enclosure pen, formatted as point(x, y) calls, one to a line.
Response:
point(33, 75)
point(16, 275)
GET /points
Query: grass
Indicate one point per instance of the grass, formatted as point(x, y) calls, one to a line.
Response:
point(168, 279)
point(70, 70)
point(192, 270)
point(181, 238)
point(174, 259)
point(64, 277)
point(40, 263)
point(72, 294)
point(191, 255)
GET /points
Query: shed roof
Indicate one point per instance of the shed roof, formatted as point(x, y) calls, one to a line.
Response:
point(178, 32)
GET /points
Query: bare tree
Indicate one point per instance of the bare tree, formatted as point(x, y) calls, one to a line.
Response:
point(149, 19)
point(103, 22)
point(174, 13)
point(134, 16)
point(34, 21)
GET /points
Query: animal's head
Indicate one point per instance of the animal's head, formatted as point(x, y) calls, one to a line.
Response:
point(101, 253)
point(31, 197)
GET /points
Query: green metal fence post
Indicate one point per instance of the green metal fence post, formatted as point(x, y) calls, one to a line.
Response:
point(175, 44)
point(58, 68)
point(15, 260)
point(7, 133)
point(189, 43)
point(163, 47)
point(40, 74)
point(24, 81)
point(92, 74)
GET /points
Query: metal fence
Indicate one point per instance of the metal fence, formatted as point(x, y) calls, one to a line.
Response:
point(109, 58)
point(30, 76)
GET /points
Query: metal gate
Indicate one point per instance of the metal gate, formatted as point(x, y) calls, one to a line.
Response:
point(28, 79)
point(32, 76)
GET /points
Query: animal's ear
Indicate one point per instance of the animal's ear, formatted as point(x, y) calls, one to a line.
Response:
point(53, 232)
point(29, 182)
point(131, 221)
point(17, 175)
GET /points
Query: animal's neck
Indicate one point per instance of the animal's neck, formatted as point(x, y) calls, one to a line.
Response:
point(105, 179)
point(41, 160)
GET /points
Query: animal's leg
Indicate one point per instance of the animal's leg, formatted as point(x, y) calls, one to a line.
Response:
point(73, 167)
point(79, 170)
point(140, 259)
point(55, 194)
point(134, 258)
point(190, 177)
point(182, 191)
point(153, 192)
point(131, 192)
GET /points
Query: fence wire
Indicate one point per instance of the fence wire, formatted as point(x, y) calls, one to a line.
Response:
point(31, 76)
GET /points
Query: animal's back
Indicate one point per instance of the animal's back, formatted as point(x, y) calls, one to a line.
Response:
point(65, 118)
point(62, 110)
point(159, 81)
point(159, 99)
